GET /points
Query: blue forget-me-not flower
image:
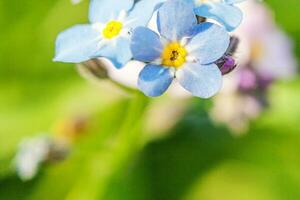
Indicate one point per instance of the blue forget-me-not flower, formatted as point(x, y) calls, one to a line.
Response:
point(107, 35)
point(183, 51)
point(223, 11)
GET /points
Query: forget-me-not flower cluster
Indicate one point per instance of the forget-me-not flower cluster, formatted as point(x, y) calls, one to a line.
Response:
point(182, 49)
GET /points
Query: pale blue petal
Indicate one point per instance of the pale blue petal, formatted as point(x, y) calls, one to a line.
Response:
point(77, 44)
point(142, 12)
point(145, 45)
point(209, 43)
point(154, 80)
point(201, 80)
point(227, 15)
point(105, 10)
point(175, 19)
point(233, 1)
point(117, 52)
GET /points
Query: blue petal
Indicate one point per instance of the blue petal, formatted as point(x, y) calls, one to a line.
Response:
point(142, 12)
point(118, 52)
point(105, 10)
point(154, 80)
point(77, 44)
point(201, 80)
point(145, 45)
point(209, 43)
point(227, 15)
point(233, 1)
point(175, 19)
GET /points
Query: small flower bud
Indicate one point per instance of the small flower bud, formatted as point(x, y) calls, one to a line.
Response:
point(94, 68)
point(226, 64)
point(233, 45)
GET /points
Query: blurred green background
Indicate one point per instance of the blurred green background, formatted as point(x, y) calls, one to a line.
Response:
point(195, 160)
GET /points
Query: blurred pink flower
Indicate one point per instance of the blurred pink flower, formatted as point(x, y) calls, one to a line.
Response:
point(264, 55)
point(263, 44)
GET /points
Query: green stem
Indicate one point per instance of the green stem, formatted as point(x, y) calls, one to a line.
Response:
point(104, 164)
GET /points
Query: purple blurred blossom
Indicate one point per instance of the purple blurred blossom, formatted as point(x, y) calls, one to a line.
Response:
point(265, 55)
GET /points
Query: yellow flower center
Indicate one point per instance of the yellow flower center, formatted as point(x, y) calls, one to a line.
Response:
point(112, 29)
point(173, 55)
point(257, 50)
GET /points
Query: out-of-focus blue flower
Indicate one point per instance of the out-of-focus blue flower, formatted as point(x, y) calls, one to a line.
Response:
point(222, 11)
point(183, 51)
point(107, 35)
